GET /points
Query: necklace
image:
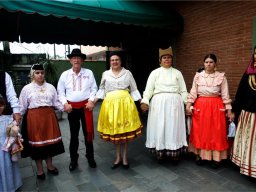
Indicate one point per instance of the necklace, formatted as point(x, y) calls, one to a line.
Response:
point(252, 82)
point(42, 90)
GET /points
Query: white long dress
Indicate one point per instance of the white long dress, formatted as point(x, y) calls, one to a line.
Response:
point(166, 119)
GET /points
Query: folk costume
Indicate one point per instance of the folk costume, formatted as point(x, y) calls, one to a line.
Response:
point(210, 96)
point(244, 148)
point(118, 120)
point(77, 90)
point(166, 93)
point(40, 123)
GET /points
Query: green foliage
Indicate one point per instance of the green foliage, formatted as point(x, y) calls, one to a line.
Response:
point(54, 68)
point(51, 75)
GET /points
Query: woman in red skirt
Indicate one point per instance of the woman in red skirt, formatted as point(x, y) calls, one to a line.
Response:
point(208, 103)
point(40, 127)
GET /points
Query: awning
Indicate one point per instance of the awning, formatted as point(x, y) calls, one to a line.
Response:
point(93, 22)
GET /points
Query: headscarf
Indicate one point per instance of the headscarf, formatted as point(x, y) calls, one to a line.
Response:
point(251, 69)
point(35, 67)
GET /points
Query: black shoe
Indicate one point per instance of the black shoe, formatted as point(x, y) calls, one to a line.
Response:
point(160, 160)
point(126, 166)
point(114, 166)
point(175, 162)
point(199, 161)
point(41, 177)
point(91, 162)
point(215, 164)
point(55, 171)
point(73, 165)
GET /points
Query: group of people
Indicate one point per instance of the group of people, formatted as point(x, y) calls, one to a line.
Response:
point(165, 98)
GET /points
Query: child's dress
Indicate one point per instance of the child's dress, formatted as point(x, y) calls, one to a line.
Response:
point(10, 178)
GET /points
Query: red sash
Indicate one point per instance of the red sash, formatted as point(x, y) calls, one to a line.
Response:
point(88, 118)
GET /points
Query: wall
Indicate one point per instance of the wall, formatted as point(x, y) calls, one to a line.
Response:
point(223, 28)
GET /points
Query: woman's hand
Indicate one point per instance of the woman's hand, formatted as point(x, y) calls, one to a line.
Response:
point(17, 118)
point(144, 107)
point(230, 115)
point(189, 109)
point(67, 107)
point(89, 105)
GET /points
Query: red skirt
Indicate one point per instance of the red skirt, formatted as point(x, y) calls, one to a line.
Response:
point(209, 129)
point(42, 126)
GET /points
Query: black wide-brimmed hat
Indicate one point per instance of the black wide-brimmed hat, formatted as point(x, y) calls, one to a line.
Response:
point(76, 53)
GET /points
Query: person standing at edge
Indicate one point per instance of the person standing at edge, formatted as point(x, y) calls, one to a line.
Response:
point(76, 91)
point(10, 96)
point(164, 96)
point(244, 148)
point(10, 177)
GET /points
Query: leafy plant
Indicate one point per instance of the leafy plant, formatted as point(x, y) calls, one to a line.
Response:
point(51, 75)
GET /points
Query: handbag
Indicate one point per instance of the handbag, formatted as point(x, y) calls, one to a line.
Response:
point(231, 129)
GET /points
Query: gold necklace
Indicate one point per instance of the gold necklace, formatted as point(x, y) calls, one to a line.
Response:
point(252, 82)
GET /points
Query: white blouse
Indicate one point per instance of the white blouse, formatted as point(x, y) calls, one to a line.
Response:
point(35, 96)
point(165, 80)
point(76, 87)
point(11, 94)
point(123, 81)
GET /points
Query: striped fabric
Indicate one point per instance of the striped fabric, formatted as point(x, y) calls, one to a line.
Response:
point(244, 149)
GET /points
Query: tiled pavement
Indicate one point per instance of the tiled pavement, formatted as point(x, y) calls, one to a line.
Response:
point(144, 175)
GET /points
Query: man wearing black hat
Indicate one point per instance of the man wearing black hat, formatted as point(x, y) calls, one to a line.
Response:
point(76, 91)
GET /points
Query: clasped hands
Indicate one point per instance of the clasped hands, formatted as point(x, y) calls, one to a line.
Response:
point(89, 106)
point(144, 107)
point(67, 107)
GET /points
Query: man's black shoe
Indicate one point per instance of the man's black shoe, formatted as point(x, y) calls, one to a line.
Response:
point(91, 162)
point(72, 166)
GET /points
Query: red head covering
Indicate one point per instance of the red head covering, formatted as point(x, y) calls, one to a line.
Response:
point(251, 69)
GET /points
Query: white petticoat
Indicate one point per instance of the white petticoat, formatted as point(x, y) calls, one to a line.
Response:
point(166, 122)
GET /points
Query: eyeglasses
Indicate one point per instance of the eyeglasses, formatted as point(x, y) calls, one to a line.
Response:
point(39, 72)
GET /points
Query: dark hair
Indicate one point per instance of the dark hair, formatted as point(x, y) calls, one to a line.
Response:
point(117, 53)
point(211, 56)
point(2, 101)
point(200, 69)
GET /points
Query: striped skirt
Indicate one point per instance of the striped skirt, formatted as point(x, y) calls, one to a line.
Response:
point(244, 148)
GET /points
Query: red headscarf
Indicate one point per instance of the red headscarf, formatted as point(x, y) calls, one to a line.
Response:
point(251, 69)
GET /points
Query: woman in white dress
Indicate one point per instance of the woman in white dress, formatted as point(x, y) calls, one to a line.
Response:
point(164, 96)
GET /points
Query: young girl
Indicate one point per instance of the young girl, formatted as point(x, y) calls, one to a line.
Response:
point(10, 179)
